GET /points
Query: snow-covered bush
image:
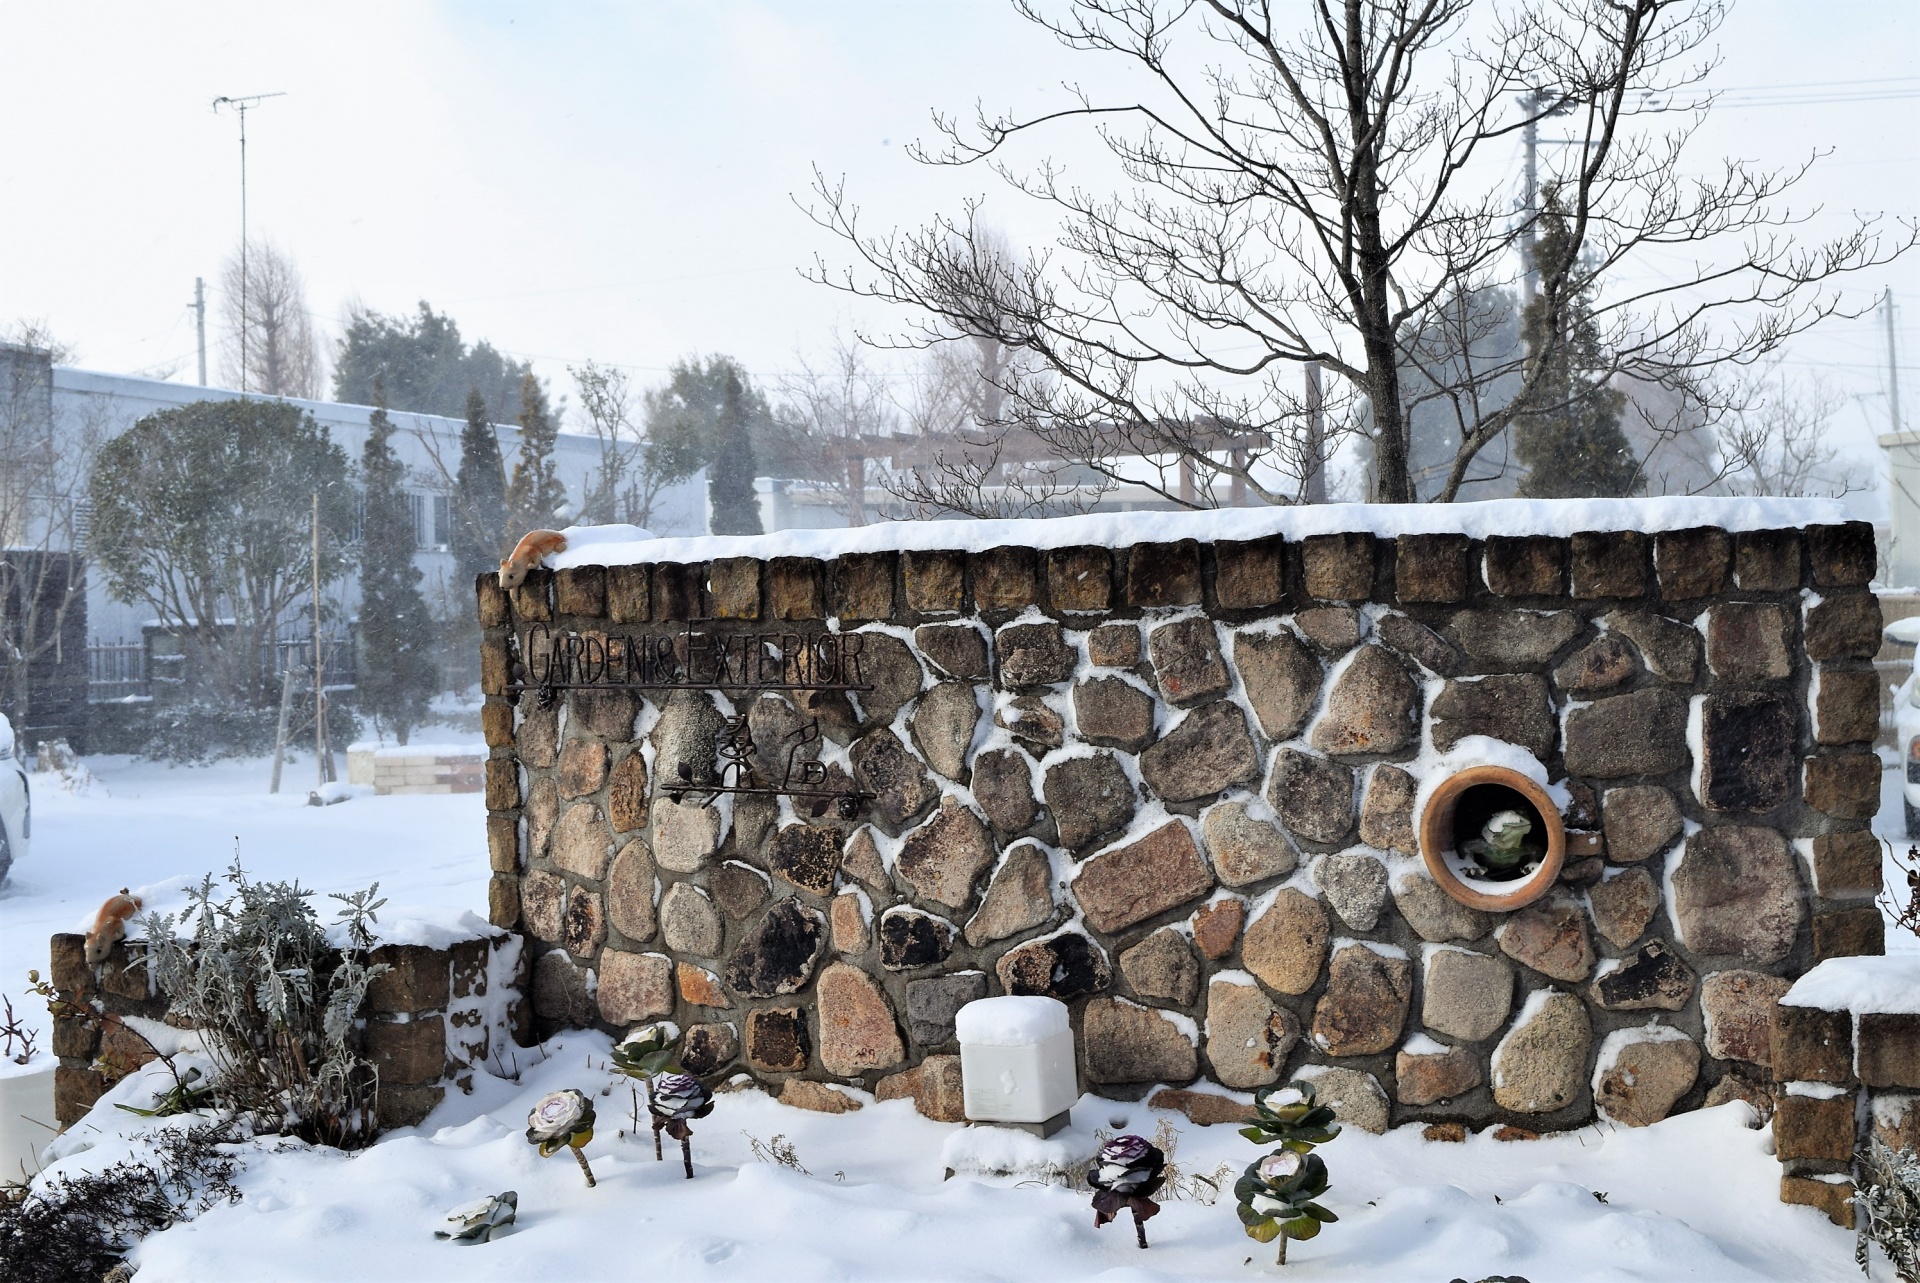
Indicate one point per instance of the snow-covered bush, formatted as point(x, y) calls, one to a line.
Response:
point(276, 1002)
point(63, 1228)
point(196, 731)
point(1889, 1205)
point(1908, 914)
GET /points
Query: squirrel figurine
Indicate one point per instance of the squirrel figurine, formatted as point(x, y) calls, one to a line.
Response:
point(110, 925)
point(533, 546)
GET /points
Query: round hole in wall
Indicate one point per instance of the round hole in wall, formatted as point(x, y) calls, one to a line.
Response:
point(1492, 838)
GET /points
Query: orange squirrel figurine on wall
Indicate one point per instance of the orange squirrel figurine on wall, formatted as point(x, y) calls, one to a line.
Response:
point(526, 554)
point(110, 925)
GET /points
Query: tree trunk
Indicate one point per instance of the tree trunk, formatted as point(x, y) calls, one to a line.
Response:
point(1369, 295)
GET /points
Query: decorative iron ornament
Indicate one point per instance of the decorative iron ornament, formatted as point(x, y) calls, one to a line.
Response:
point(804, 778)
point(746, 662)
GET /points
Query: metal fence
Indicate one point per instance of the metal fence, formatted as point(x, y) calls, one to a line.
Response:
point(116, 670)
point(296, 653)
point(119, 669)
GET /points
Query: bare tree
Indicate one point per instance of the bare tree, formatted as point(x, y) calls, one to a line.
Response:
point(35, 332)
point(1327, 196)
point(1778, 443)
point(637, 460)
point(840, 417)
point(44, 462)
point(269, 346)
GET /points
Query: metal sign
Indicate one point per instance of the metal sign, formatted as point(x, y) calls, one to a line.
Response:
point(742, 662)
point(803, 778)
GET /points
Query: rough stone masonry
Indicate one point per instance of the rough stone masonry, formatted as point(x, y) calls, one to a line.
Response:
point(1172, 784)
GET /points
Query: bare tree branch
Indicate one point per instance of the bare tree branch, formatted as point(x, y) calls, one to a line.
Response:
point(1328, 195)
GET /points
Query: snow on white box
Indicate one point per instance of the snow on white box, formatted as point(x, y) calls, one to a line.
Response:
point(1016, 1060)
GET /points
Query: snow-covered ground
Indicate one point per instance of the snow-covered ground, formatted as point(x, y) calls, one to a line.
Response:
point(159, 828)
point(1695, 1197)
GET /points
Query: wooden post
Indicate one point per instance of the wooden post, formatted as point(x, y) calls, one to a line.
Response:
point(322, 751)
point(286, 714)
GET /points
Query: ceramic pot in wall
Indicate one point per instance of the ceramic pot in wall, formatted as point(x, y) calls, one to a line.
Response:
point(1439, 846)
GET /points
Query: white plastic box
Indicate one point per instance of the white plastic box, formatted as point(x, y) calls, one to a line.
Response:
point(1016, 1060)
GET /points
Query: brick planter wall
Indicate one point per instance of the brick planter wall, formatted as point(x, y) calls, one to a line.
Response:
point(432, 1018)
point(428, 769)
point(1172, 785)
point(1840, 1077)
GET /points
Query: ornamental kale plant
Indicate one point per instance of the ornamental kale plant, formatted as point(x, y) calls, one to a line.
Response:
point(1276, 1194)
point(1127, 1172)
point(276, 1002)
point(563, 1120)
point(643, 1054)
point(674, 1102)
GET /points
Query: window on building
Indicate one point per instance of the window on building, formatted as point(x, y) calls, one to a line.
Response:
point(431, 528)
point(420, 507)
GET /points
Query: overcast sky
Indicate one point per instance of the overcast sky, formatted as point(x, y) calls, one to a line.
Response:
point(617, 181)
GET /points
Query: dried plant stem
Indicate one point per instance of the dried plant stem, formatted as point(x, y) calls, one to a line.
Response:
point(1139, 1229)
point(581, 1159)
point(686, 1154)
point(1283, 1248)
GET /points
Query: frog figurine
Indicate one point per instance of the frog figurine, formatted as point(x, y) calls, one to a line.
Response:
point(1502, 848)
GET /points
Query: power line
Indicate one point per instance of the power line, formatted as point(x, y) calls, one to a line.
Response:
point(1821, 84)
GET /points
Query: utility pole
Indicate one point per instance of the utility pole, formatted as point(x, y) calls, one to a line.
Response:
point(199, 306)
point(1534, 104)
point(1893, 366)
point(240, 107)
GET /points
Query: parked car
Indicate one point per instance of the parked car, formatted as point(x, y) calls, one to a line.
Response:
point(16, 801)
point(1906, 724)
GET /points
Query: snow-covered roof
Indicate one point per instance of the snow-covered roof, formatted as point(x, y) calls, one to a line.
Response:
point(617, 545)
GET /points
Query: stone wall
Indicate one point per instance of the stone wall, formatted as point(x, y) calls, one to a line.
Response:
point(1846, 1067)
point(1172, 785)
point(435, 1016)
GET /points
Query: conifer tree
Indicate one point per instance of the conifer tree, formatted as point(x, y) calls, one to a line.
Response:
point(397, 674)
point(480, 495)
point(534, 490)
point(1573, 446)
point(735, 507)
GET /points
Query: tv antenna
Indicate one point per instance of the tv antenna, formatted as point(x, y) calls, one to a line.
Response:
point(240, 106)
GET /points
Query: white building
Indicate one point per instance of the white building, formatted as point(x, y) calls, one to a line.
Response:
point(96, 406)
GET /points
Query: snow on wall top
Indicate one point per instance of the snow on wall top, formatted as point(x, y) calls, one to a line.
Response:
point(624, 545)
point(1887, 985)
